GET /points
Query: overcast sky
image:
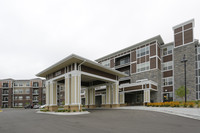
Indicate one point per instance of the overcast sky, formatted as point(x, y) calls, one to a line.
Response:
point(35, 34)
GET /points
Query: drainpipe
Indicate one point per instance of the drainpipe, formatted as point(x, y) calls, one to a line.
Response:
point(79, 68)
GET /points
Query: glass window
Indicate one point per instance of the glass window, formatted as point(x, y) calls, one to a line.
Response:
point(44, 91)
point(167, 97)
point(167, 65)
point(198, 50)
point(143, 66)
point(5, 84)
point(27, 91)
point(106, 63)
point(142, 51)
point(20, 104)
point(27, 97)
point(27, 84)
point(20, 84)
point(20, 98)
point(16, 91)
point(168, 81)
point(20, 91)
point(167, 50)
point(15, 84)
point(35, 84)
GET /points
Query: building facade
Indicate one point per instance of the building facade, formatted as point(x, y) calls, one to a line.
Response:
point(18, 93)
point(149, 71)
point(154, 68)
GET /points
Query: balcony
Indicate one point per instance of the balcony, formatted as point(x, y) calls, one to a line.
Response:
point(35, 100)
point(122, 62)
point(5, 85)
point(35, 86)
point(35, 93)
point(5, 92)
point(5, 100)
point(125, 78)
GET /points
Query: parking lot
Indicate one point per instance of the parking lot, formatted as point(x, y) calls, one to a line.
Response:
point(98, 121)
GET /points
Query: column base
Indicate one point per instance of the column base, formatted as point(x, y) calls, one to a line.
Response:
point(106, 106)
point(53, 108)
point(87, 106)
point(66, 107)
point(92, 106)
point(46, 107)
point(115, 105)
point(75, 108)
point(122, 105)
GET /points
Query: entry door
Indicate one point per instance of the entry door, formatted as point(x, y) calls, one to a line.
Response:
point(98, 101)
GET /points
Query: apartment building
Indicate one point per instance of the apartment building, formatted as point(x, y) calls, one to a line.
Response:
point(154, 68)
point(18, 93)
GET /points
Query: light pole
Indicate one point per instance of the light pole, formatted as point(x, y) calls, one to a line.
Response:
point(184, 61)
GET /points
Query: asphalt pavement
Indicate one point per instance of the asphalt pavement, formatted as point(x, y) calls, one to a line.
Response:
point(98, 121)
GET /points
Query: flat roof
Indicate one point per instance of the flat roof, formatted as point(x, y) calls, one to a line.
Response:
point(158, 38)
point(73, 58)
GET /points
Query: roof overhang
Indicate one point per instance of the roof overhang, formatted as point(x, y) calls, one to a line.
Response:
point(78, 59)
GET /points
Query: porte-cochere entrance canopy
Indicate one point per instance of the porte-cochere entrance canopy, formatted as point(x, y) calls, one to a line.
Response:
point(76, 72)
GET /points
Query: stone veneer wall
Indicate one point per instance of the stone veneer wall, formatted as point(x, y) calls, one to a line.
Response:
point(154, 75)
point(179, 80)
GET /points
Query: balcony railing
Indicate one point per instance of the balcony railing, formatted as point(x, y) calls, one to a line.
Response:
point(35, 93)
point(5, 100)
point(35, 100)
point(35, 86)
point(5, 92)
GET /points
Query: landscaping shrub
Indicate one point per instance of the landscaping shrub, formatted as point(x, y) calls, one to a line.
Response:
point(44, 110)
point(191, 104)
point(74, 110)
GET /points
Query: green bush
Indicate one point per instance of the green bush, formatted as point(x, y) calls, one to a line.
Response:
point(44, 110)
point(74, 110)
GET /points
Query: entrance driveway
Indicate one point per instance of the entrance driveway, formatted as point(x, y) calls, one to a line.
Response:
point(98, 121)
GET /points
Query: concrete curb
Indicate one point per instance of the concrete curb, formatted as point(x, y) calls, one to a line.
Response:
point(172, 111)
point(64, 113)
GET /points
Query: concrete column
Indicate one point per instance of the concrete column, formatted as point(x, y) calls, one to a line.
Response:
point(103, 99)
point(67, 92)
point(115, 94)
point(86, 98)
point(92, 98)
point(121, 98)
point(47, 95)
point(146, 96)
point(108, 96)
point(75, 92)
point(53, 97)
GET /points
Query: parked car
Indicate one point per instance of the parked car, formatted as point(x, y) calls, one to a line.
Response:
point(42, 106)
point(28, 107)
point(36, 106)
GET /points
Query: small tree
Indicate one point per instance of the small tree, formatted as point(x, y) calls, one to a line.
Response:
point(63, 103)
point(181, 92)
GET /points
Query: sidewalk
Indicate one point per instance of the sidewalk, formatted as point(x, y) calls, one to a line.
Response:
point(193, 113)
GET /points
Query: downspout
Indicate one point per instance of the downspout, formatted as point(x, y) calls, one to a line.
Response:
point(79, 68)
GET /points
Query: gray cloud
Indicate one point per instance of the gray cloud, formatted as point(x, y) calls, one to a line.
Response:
point(36, 34)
